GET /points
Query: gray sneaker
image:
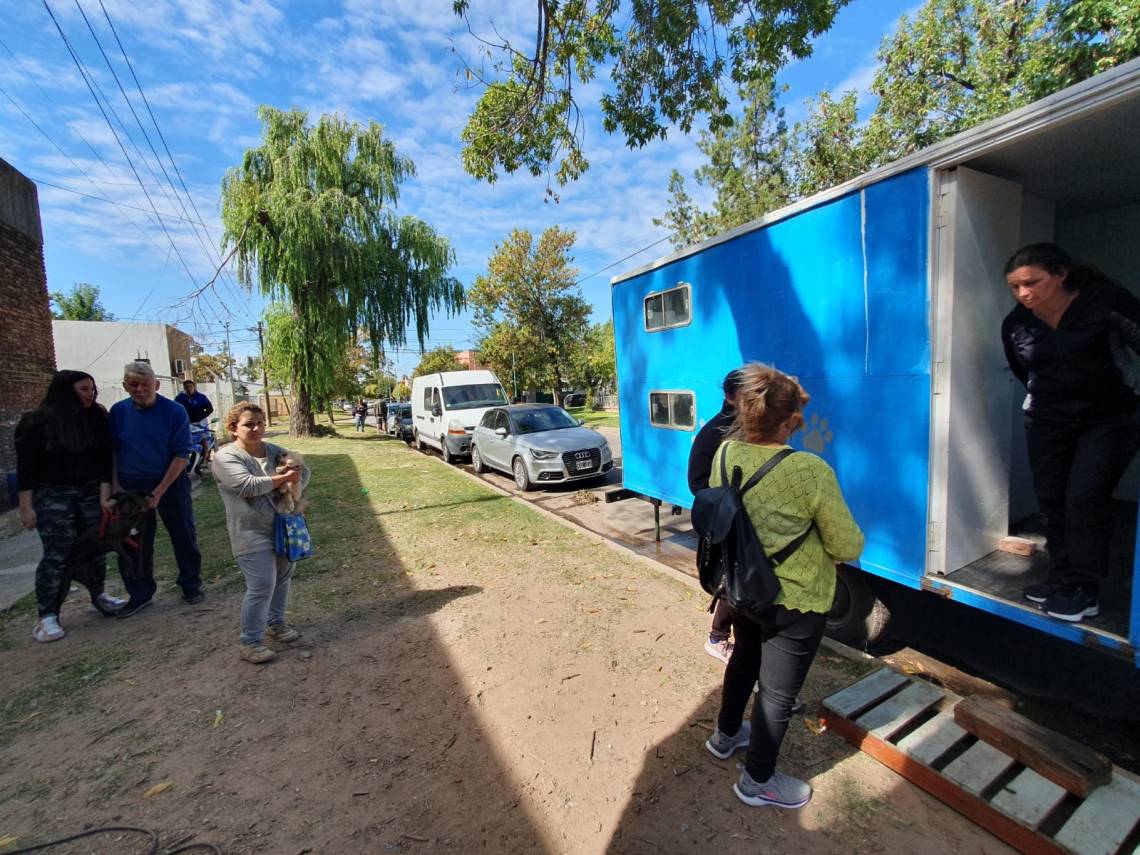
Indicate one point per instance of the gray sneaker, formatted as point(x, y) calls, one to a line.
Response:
point(723, 747)
point(780, 791)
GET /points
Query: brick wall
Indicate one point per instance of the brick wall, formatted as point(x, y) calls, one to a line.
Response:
point(28, 352)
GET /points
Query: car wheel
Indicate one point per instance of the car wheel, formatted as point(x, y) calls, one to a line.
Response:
point(477, 461)
point(418, 441)
point(445, 452)
point(522, 478)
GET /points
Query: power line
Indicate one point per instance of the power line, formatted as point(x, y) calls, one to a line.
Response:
point(122, 148)
point(154, 120)
point(204, 243)
point(99, 198)
point(621, 260)
point(142, 156)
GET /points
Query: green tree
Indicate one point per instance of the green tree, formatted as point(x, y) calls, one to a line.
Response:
point(80, 304)
point(206, 367)
point(595, 363)
point(748, 166)
point(530, 308)
point(669, 63)
point(310, 214)
point(439, 359)
point(402, 392)
point(955, 64)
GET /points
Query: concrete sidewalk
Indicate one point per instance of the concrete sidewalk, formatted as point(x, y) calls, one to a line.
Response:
point(19, 555)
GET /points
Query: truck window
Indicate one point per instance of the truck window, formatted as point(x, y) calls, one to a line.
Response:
point(473, 396)
point(668, 309)
point(672, 410)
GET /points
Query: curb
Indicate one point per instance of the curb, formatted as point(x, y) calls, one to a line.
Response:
point(645, 560)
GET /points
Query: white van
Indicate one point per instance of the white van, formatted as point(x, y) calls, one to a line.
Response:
point(447, 405)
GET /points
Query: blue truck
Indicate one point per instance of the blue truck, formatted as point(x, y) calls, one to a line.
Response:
point(885, 297)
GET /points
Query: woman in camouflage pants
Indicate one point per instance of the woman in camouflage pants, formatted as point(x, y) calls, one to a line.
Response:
point(63, 474)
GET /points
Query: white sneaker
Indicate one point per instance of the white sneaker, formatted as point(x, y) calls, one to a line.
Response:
point(48, 629)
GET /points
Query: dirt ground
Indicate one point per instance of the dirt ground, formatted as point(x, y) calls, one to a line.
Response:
point(473, 676)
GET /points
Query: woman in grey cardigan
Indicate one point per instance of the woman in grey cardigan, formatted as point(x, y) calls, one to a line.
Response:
point(246, 474)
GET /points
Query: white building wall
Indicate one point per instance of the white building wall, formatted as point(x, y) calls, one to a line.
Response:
point(102, 348)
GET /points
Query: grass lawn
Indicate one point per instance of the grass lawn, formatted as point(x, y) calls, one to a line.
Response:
point(596, 418)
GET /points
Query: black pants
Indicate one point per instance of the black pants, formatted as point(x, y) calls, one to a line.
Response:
point(777, 651)
point(177, 511)
point(1076, 465)
point(722, 621)
point(66, 518)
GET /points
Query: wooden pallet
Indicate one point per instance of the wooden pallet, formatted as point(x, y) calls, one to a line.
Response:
point(908, 725)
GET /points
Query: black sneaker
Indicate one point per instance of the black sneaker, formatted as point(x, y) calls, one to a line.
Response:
point(192, 598)
point(1072, 604)
point(1041, 592)
point(131, 608)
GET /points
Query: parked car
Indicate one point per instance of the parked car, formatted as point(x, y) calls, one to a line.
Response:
point(538, 444)
point(446, 407)
point(574, 399)
point(400, 421)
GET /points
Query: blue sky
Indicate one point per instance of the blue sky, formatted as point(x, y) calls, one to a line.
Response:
point(205, 66)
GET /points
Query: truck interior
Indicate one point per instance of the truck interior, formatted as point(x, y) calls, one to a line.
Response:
point(1076, 183)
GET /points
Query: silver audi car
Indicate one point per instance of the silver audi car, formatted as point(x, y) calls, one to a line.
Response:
point(538, 444)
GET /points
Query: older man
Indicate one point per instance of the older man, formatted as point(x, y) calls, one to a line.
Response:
point(151, 440)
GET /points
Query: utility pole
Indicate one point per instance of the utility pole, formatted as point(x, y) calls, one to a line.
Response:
point(264, 373)
point(260, 330)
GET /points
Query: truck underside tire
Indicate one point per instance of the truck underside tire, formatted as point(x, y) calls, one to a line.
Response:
point(857, 618)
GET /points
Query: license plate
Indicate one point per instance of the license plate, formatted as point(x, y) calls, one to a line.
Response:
point(584, 464)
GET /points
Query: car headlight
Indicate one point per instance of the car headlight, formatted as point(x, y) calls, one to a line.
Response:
point(539, 454)
point(455, 427)
point(606, 450)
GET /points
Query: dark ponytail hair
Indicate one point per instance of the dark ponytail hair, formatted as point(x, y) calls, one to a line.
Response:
point(66, 422)
point(1054, 260)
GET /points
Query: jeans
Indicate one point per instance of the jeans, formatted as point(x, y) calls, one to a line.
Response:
point(177, 511)
point(722, 621)
point(1076, 465)
point(360, 423)
point(268, 577)
point(67, 518)
point(777, 651)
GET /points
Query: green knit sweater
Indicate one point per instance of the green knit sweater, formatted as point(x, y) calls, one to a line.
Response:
point(801, 489)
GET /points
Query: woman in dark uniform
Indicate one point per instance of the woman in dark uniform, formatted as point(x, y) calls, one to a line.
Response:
point(1064, 341)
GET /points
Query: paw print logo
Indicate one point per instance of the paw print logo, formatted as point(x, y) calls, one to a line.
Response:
point(818, 434)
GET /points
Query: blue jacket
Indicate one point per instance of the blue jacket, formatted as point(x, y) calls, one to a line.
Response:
point(197, 406)
point(146, 441)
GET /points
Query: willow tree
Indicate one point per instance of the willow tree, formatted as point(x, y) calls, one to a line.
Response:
point(311, 217)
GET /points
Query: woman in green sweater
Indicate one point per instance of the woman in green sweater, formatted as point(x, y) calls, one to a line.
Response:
point(777, 647)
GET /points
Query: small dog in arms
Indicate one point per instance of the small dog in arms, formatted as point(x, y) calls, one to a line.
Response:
point(289, 500)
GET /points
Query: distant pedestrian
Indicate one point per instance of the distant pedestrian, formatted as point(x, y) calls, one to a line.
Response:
point(198, 410)
point(705, 444)
point(63, 475)
point(359, 414)
point(777, 647)
point(150, 435)
point(245, 472)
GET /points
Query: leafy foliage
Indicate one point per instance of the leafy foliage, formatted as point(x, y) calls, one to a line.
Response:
point(531, 310)
point(955, 64)
point(311, 213)
point(80, 304)
point(210, 366)
point(594, 363)
point(669, 63)
point(440, 359)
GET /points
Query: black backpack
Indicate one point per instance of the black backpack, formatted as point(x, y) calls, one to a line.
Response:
point(730, 558)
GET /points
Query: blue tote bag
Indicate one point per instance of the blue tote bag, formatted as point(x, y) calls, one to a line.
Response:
point(292, 537)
